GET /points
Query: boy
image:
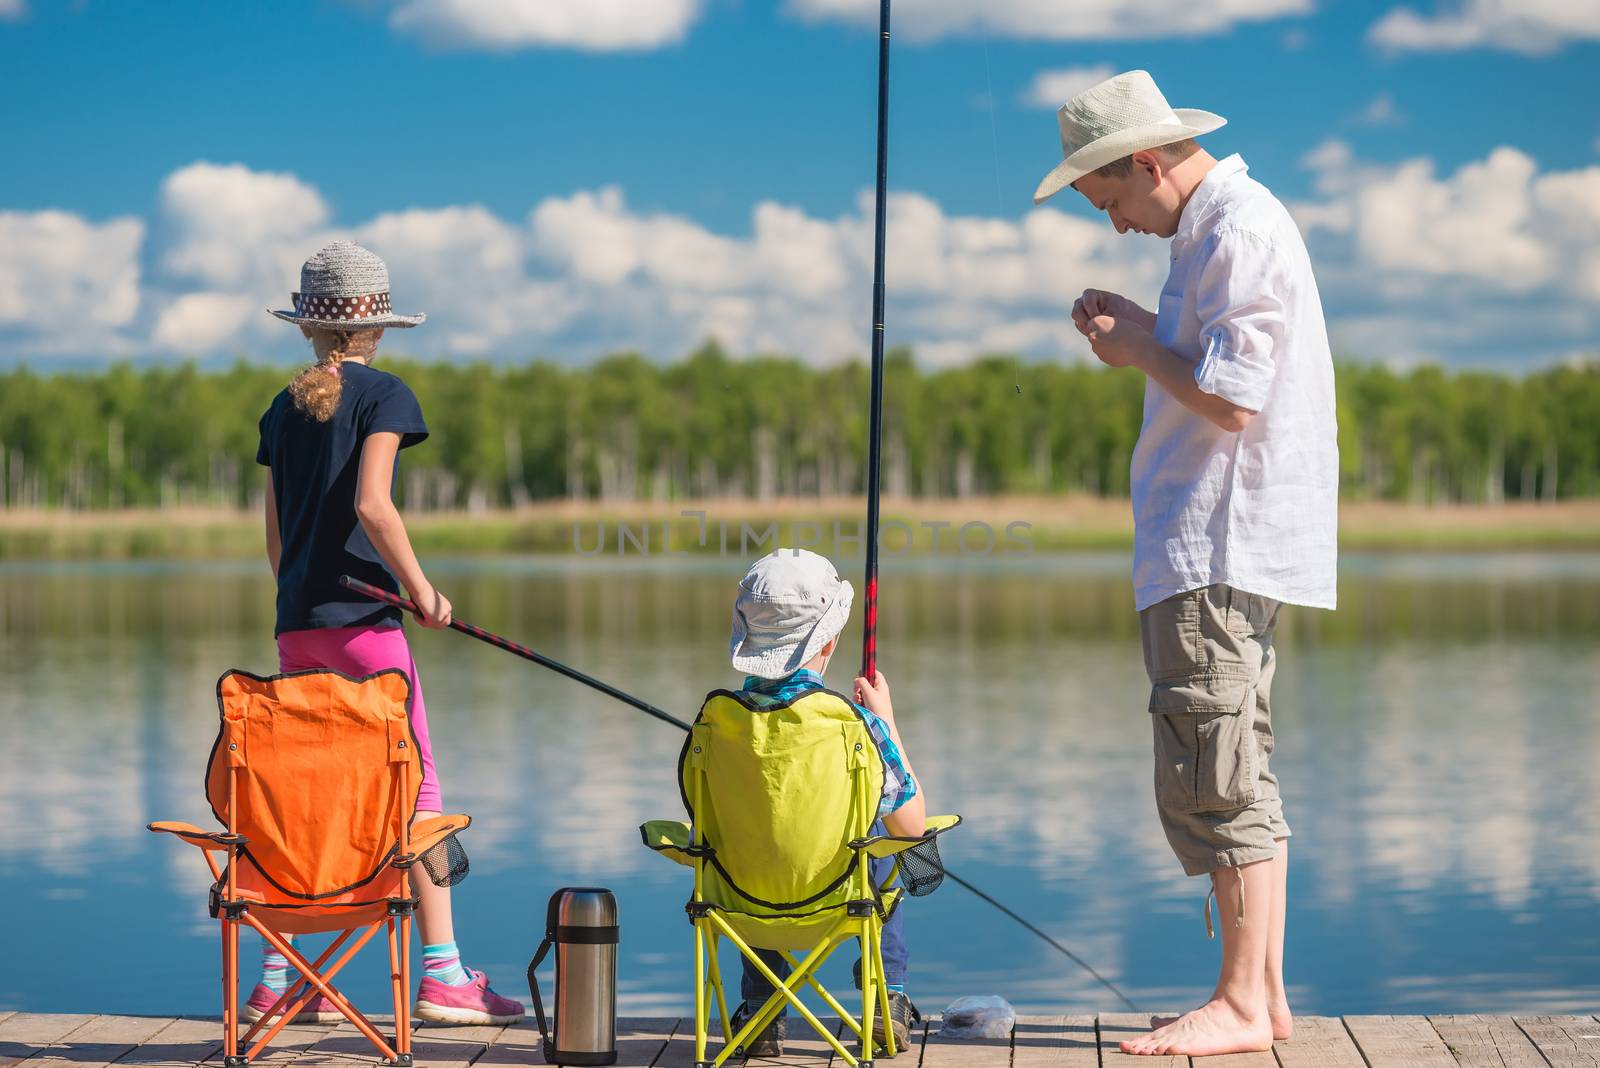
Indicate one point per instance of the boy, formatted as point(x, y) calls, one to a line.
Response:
point(791, 606)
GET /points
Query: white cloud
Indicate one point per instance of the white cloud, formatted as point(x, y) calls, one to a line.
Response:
point(1052, 88)
point(505, 25)
point(464, 267)
point(12, 9)
point(1494, 261)
point(67, 284)
point(1380, 111)
point(232, 239)
point(586, 273)
point(1528, 26)
point(198, 323)
point(229, 225)
point(1053, 20)
point(1479, 223)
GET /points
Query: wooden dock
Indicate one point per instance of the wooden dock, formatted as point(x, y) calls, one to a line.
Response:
point(44, 1040)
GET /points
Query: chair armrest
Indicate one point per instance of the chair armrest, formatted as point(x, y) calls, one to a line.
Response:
point(425, 834)
point(670, 838)
point(217, 841)
point(887, 845)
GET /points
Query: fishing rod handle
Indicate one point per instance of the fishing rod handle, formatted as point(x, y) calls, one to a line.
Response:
point(366, 589)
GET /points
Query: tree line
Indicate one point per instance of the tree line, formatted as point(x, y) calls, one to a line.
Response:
point(628, 428)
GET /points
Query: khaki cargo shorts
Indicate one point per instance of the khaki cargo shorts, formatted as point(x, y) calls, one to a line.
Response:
point(1209, 656)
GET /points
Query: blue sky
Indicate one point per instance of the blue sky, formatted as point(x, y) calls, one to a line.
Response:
point(601, 149)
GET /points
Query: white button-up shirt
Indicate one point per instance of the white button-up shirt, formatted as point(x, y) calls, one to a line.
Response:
point(1257, 509)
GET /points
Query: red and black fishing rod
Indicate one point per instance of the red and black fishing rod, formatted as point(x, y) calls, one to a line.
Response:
point(869, 625)
point(366, 589)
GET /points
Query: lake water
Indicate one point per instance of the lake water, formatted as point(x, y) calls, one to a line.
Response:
point(1438, 744)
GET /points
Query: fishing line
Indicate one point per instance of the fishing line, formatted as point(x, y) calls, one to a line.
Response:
point(490, 638)
point(999, 200)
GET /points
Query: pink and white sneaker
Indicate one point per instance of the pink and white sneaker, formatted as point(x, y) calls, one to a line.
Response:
point(470, 1003)
point(318, 1010)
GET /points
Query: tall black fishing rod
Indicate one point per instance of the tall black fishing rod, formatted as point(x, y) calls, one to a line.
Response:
point(489, 637)
point(869, 630)
point(869, 626)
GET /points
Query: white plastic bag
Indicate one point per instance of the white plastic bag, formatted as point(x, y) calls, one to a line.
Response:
point(978, 1017)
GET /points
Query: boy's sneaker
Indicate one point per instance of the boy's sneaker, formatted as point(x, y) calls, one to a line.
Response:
point(318, 1010)
point(902, 1014)
point(768, 1042)
point(469, 1003)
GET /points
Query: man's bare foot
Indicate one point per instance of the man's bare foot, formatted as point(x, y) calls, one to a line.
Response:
point(1278, 1016)
point(1282, 1021)
point(1214, 1028)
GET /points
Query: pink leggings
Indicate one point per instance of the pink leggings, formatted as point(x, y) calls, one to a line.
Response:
point(362, 651)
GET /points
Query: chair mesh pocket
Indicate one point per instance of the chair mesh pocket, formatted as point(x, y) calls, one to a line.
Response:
point(920, 868)
point(446, 863)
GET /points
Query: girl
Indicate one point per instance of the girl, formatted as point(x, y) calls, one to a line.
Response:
point(332, 440)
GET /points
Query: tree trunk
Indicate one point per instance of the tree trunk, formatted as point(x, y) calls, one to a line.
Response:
point(516, 487)
point(763, 445)
point(966, 473)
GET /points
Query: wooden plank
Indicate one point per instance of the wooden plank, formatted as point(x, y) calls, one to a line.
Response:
point(184, 1041)
point(1263, 1059)
point(1318, 1042)
point(102, 1040)
point(679, 1049)
point(1117, 1027)
point(341, 1044)
point(1565, 1041)
point(642, 1039)
point(26, 1033)
point(1487, 1042)
point(517, 1044)
point(640, 1042)
point(289, 1044)
point(1399, 1042)
point(941, 1052)
point(1055, 1042)
point(804, 1048)
point(453, 1047)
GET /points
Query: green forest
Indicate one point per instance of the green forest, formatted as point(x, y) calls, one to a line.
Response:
point(629, 428)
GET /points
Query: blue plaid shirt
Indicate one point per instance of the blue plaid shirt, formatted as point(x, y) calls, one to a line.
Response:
point(898, 785)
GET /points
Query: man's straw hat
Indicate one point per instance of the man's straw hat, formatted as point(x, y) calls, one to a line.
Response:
point(345, 287)
point(1116, 118)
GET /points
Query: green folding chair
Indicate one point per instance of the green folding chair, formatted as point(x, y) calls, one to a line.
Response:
point(781, 803)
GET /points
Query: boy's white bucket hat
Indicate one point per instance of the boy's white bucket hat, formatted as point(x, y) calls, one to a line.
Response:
point(790, 603)
point(1120, 116)
point(345, 287)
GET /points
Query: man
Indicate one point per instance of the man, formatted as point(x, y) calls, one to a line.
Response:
point(1235, 486)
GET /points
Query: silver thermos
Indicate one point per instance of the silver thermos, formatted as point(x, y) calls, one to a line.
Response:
point(581, 924)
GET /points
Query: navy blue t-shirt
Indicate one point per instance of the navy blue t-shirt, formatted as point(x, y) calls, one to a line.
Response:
point(314, 480)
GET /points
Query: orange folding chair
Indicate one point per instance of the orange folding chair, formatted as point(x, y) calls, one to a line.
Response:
point(315, 776)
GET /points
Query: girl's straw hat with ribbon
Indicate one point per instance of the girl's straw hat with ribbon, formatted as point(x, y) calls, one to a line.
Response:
point(345, 287)
point(1118, 117)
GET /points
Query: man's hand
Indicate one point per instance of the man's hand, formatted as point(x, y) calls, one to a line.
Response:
point(1103, 302)
point(1117, 342)
point(874, 696)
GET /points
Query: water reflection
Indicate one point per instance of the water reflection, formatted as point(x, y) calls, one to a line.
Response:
point(1438, 747)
